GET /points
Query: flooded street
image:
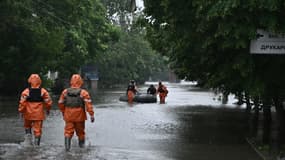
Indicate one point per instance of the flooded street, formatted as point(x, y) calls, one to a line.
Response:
point(192, 125)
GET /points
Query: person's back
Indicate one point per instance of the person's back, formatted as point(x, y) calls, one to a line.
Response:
point(162, 91)
point(132, 87)
point(74, 102)
point(32, 104)
point(131, 91)
point(151, 90)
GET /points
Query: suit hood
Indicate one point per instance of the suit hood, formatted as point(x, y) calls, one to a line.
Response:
point(76, 81)
point(35, 80)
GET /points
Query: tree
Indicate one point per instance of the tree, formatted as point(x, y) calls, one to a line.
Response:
point(26, 45)
point(37, 36)
point(131, 56)
point(208, 41)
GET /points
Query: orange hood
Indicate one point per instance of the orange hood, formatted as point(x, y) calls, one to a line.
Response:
point(35, 80)
point(76, 81)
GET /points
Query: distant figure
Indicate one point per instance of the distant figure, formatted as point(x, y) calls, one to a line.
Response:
point(32, 104)
point(74, 102)
point(162, 92)
point(131, 91)
point(151, 90)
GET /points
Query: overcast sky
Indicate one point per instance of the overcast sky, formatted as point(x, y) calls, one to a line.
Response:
point(139, 3)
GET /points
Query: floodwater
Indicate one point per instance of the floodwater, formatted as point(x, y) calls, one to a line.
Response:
point(192, 125)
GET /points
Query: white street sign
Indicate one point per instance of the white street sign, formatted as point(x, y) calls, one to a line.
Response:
point(268, 43)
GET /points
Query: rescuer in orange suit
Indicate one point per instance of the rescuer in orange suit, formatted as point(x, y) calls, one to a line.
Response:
point(131, 91)
point(162, 92)
point(73, 103)
point(33, 100)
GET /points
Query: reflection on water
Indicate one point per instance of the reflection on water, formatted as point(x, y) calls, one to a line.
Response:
point(191, 125)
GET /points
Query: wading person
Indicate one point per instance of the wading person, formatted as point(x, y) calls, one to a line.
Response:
point(131, 91)
point(32, 103)
point(151, 90)
point(73, 103)
point(162, 92)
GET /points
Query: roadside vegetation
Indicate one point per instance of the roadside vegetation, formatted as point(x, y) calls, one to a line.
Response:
point(208, 42)
point(62, 36)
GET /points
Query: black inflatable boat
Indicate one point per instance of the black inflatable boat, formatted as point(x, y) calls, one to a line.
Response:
point(141, 98)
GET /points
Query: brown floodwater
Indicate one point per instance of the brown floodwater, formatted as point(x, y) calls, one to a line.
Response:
point(192, 125)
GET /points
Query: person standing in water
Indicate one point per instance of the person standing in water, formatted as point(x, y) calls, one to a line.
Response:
point(33, 100)
point(131, 91)
point(162, 92)
point(151, 90)
point(74, 102)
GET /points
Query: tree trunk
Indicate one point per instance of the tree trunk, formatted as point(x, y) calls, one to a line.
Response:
point(225, 97)
point(248, 105)
point(266, 122)
point(240, 98)
point(247, 99)
point(280, 122)
point(255, 118)
point(248, 116)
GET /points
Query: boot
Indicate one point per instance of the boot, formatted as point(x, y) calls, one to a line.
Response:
point(37, 141)
point(81, 143)
point(28, 140)
point(67, 142)
point(28, 131)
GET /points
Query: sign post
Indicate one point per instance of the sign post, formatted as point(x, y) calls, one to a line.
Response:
point(268, 43)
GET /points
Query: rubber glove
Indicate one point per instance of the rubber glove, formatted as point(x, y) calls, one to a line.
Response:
point(47, 112)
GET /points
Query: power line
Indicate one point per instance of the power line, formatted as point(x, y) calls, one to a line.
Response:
point(52, 8)
point(56, 17)
point(46, 4)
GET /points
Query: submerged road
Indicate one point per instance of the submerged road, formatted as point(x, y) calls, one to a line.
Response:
point(192, 125)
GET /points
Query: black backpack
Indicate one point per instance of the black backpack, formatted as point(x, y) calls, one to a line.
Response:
point(35, 95)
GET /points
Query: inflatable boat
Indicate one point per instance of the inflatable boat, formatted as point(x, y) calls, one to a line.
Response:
point(141, 98)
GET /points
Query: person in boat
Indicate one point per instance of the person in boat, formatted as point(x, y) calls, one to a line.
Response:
point(74, 102)
point(34, 101)
point(131, 91)
point(151, 90)
point(162, 92)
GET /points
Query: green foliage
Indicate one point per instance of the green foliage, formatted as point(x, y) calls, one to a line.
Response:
point(119, 12)
point(37, 36)
point(131, 57)
point(208, 41)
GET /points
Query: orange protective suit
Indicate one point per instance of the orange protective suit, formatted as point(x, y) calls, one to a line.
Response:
point(162, 92)
point(131, 96)
point(75, 116)
point(131, 91)
point(33, 111)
